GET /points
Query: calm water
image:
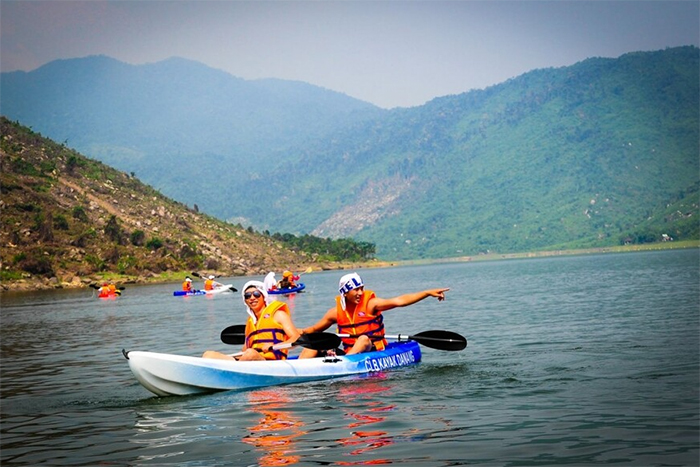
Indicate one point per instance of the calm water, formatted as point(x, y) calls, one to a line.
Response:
point(575, 360)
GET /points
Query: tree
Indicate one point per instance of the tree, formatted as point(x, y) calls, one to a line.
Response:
point(112, 230)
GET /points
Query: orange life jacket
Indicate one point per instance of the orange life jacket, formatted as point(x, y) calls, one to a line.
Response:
point(187, 286)
point(209, 284)
point(360, 323)
point(267, 331)
point(107, 290)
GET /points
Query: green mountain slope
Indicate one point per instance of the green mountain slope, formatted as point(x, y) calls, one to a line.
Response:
point(577, 156)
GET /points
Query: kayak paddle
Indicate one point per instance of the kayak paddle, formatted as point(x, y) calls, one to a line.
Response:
point(97, 287)
point(235, 335)
point(196, 274)
point(441, 340)
point(315, 341)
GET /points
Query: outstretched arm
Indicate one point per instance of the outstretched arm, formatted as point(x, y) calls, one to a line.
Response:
point(382, 304)
point(328, 320)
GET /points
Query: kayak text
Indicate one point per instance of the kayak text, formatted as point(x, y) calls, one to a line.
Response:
point(390, 361)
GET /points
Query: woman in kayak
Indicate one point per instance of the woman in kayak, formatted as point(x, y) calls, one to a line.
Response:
point(287, 281)
point(358, 312)
point(187, 285)
point(267, 325)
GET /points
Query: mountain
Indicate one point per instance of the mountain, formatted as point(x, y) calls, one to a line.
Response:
point(69, 220)
point(593, 154)
point(176, 118)
point(581, 156)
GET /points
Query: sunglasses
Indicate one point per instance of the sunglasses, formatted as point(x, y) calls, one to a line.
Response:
point(255, 294)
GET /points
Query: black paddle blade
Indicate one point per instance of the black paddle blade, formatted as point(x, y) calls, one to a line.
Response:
point(441, 340)
point(233, 335)
point(319, 341)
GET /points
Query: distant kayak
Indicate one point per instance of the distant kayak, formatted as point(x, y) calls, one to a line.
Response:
point(183, 293)
point(298, 288)
point(218, 290)
point(106, 291)
point(109, 294)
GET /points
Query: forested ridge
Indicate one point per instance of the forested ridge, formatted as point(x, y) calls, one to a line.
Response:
point(601, 153)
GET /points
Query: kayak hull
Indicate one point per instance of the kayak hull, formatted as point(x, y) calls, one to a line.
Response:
point(218, 290)
point(300, 286)
point(167, 374)
point(183, 293)
point(109, 295)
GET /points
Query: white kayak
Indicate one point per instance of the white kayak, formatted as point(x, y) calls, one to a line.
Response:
point(167, 374)
point(217, 290)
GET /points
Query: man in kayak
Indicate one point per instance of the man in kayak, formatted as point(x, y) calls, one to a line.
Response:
point(358, 314)
point(267, 325)
point(187, 285)
point(211, 284)
point(108, 289)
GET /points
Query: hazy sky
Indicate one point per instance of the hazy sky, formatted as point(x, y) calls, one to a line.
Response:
point(389, 53)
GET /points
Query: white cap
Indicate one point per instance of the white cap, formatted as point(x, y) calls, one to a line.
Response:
point(347, 283)
point(258, 285)
point(188, 279)
point(211, 277)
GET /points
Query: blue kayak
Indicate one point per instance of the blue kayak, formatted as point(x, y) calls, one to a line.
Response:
point(218, 290)
point(300, 286)
point(167, 374)
point(182, 293)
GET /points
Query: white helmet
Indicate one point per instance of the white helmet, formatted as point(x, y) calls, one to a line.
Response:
point(347, 283)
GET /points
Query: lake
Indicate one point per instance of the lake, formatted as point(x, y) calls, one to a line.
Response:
point(578, 360)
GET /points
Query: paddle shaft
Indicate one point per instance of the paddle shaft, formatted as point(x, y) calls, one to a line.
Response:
point(284, 345)
point(97, 287)
point(196, 274)
point(397, 337)
point(441, 340)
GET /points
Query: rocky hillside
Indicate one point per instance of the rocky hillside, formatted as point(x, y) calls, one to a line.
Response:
point(68, 221)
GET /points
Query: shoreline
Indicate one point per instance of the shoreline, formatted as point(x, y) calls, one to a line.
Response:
point(31, 284)
point(680, 245)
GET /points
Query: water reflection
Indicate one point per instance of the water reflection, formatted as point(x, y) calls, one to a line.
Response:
point(364, 408)
point(276, 430)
